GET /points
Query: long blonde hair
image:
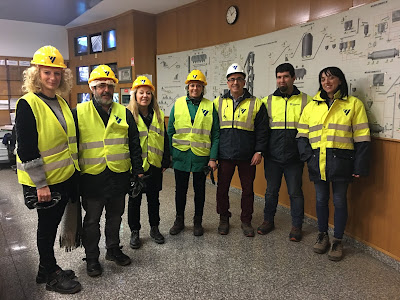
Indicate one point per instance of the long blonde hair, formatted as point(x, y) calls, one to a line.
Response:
point(33, 84)
point(134, 108)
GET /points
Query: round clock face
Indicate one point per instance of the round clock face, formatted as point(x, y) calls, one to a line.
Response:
point(232, 14)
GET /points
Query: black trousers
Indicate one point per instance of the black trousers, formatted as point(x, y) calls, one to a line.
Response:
point(181, 188)
point(48, 221)
point(114, 206)
point(153, 209)
point(153, 188)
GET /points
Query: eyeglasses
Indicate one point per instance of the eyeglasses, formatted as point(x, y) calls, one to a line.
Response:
point(239, 79)
point(104, 85)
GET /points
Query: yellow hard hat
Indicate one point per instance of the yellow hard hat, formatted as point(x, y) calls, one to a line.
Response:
point(102, 71)
point(48, 56)
point(141, 81)
point(196, 75)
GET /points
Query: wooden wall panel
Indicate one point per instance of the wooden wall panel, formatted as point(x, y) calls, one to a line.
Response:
point(263, 17)
point(136, 38)
point(145, 50)
point(4, 117)
point(289, 15)
point(167, 37)
point(323, 8)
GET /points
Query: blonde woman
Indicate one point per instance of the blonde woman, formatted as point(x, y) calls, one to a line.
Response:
point(47, 157)
point(155, 155)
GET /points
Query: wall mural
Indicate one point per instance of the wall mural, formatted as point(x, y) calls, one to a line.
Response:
point(364, 42)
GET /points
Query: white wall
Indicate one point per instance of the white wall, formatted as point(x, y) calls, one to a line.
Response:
point(22, 39)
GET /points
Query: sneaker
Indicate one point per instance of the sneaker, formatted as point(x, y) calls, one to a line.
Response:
point(135, 242)
point(42, 274)
point(60, 283)
point(223, 227)
point(198, 229)
point(295, 234)
point(178, 226)
point(248, 230)
point(322, 243)
point(336, 251)
point(93, 267)
point(156, 235)
point(265, 227)
point(116, 255)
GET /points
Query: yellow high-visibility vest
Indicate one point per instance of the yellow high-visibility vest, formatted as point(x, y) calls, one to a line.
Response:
point(340, 126)
point(241, 118)
point(101, 146)
point(152, 141)
point(196, 137)
point(57, 148)
point(284, 113)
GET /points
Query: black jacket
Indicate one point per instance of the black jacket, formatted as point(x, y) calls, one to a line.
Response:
point(109, 183)
point(28, 150)
point(241, 144)
point(282, 144)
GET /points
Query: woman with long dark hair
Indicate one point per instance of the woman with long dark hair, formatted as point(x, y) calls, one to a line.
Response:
point(334, 138)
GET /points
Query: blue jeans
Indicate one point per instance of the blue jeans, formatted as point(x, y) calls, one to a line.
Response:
point(339, 201)
point(293, 176)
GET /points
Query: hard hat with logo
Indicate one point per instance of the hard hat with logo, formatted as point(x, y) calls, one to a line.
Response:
point(102, 72)
point(196, 75)
point(235, 68)
point(142, 81)
point(48, 56)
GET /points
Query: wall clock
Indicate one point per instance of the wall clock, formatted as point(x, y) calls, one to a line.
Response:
point(232, 14)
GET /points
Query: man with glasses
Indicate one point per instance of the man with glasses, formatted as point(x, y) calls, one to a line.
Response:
point(284, 108)
point(108, 148)
point(243, 139)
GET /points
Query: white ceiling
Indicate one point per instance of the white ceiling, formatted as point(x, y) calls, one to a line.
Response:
point(72, 13)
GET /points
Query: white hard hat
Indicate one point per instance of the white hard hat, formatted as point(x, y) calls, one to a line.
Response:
point(235, 68)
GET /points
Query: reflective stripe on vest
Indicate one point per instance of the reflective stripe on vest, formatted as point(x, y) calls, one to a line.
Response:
point(340, 126)
point(57, 148)
point(196, 136)
point(152, 141)
point(282, 117)
point(244, 115)
point(101, 146)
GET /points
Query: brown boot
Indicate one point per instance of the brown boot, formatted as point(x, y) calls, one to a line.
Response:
point(223, 227)
point(248, 230)
point(336, 251)
point(178, 226)
point(197, 228)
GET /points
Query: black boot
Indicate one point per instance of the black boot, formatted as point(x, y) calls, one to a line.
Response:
point(156, 235)
point(135, 242)
point(93, 267)
point(42, 274)
point(178, 226)
point(115, 254)
point(60, 283)
point(197, 228)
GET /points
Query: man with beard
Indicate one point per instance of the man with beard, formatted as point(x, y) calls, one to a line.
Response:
point(108, 147)
point(284, 108)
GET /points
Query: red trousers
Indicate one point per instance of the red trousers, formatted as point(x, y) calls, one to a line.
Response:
point(247, 173)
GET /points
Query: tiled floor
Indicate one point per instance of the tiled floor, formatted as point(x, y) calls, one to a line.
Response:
point(188, 267)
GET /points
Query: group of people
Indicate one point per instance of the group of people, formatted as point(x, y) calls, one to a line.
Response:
point(96, 150)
